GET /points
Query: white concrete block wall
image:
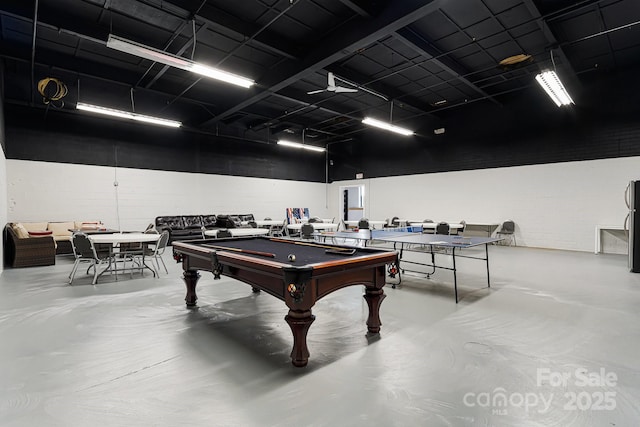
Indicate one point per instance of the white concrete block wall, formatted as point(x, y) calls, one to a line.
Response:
point(554, 205)
point(44, 191)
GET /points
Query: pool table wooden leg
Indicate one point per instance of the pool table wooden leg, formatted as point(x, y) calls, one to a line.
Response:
point(191, 280)
point(374, 298)
point(299, 322)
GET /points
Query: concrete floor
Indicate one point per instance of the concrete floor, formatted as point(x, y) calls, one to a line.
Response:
point(554, 342)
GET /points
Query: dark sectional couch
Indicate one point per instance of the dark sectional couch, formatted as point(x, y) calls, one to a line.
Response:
point(190, 227)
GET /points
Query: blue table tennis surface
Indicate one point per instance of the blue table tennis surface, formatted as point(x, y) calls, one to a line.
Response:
point(408, 237)
point(412, 235)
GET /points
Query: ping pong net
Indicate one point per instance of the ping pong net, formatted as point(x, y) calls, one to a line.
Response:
point(398, 231)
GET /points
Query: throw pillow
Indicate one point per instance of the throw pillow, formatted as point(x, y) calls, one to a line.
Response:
point(21, 232)
point(40, 233)
point(35, 226)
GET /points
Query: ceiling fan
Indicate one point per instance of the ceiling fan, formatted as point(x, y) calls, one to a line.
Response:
point(331, 86)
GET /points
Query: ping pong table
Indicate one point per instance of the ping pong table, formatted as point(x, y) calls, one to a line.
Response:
point(411, 239)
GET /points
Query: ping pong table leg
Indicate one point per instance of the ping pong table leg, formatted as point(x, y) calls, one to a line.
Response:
point(455, 278)
point(393, 286)
point(486, 257)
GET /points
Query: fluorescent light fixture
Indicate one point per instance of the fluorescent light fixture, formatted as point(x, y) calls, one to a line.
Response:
point(127, 115)
point(298, 145)
point(387, 126)
point(146, 52)
point(224, 76)
point(555, 89)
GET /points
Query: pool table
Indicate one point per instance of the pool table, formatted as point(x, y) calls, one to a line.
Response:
point(266, 265)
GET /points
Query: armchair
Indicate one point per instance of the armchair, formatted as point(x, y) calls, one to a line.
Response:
point(28, 251)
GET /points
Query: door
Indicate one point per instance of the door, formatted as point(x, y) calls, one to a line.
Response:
point(352, 202)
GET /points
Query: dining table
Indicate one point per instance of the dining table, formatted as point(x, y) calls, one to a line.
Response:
point(295, 228)
point(372, 223)
point(430, 227)
point(125, 247)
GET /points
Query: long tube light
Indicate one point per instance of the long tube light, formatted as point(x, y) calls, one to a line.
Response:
point(127, 115)
point(146, 52)
point(551, 84)
point(387, 126)
point(303, 146)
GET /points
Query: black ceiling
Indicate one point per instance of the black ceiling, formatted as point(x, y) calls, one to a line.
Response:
point(413, 61)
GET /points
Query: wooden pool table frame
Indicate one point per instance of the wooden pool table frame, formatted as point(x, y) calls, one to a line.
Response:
point(298, 286)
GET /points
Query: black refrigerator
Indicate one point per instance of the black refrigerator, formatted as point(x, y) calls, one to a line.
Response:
point(633, 202)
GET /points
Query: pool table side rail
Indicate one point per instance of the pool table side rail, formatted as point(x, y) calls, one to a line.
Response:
point(267, 275)
point(341, 263)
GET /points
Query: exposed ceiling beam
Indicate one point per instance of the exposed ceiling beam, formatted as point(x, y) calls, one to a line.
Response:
point(175, 35)
point(105, 74)
point(213, 18)
point(180, 51)
point(353, 5)
point(99, 36)
point(257, 32)
point(389, 92)
point(412, 40)
point(96, 35)
point(553, 42)
point(394, 16)
point(33, 51)
point(291, 98)
point(218, 19)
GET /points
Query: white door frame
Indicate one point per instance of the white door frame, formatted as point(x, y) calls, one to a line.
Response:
point(361, 188)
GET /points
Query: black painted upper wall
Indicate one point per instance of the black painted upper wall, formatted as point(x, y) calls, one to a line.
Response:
point(2, 132)
point(36, 134)
point(527, 128)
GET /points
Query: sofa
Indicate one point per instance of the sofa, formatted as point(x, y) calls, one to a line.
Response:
point(234, 221)
point(23, 250)
point(185, 227)
point(58, 231)
point(190, 227)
